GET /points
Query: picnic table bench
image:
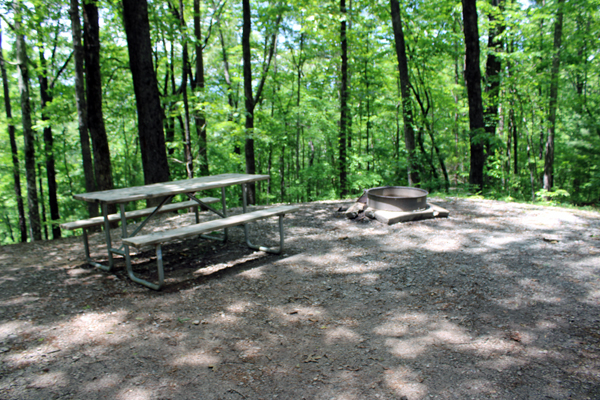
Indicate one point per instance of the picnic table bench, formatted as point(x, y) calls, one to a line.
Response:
point(86, 224)
point(158, 238)
point(166, 191)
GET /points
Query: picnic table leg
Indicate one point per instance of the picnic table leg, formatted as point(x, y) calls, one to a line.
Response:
point(160, 270)
point(108, 240)
point(86, 246)
point(161, 274)
point(224, 205)
point(273, 250)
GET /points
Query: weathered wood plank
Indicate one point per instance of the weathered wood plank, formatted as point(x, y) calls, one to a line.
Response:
point(162, 189)
point(97, 221)
point(209, 226)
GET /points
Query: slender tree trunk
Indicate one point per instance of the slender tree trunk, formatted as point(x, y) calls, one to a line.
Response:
point(28, 137)
point(282, 173)
point(250, 99)
point(170, 119)
point(343, 105)
point(102, 162)
point(42, 203)
point(198, 86)
point(81, 103)
point(552, 106)
point(299, 65)
point(13, 149)
point(46, 97)
point(150, 113)
point(187, 137)
point(407, 111)
point(492, 73)
point(473, 78)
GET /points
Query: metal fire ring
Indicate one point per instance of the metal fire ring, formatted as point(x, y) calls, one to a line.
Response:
point(397, 198)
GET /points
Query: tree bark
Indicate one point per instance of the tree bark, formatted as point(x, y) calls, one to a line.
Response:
point(250, 99)
point(492, 72)
point(343, 104)
point(553, 101)
point(28, 137)
point(93, 80)
point(13, 149)
point(473, 78)
point(187, 138)
point(407, 113)
point(46, 97)
point(198, 86)
point(81, 103)
point(145, 84)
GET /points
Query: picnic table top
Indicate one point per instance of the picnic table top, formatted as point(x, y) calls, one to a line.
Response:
point(162, 189)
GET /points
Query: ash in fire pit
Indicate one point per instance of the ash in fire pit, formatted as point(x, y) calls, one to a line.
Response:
point(393, 204)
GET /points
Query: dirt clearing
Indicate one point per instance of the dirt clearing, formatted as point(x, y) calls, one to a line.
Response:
point(499, 300)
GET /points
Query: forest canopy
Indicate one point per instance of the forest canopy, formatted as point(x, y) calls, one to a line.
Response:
point(327, 98)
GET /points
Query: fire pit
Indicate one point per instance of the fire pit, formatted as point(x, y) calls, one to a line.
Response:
point(393, 204)
point(397, 198)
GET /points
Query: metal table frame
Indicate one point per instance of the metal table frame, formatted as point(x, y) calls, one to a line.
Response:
point(167, 191)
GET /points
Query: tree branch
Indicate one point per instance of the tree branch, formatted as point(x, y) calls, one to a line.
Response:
point(268, 63)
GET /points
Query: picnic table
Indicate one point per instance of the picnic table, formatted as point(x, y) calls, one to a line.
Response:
point(166, 191)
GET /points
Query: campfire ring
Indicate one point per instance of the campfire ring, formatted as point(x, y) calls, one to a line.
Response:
point(397, 198)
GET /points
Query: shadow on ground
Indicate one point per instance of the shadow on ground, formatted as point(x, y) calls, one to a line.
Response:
point(497, 301)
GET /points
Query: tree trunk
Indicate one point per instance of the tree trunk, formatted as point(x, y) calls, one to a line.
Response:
point(46, 97)
point(93, 80)
point(407, 113)
point(343, 104)
point(251, 100)
point(42, 203)
point(492, 73)
point(198, 86)
point(473, 78)
point(28, 137)
point(549, 159)
point(81, 103)
point(13, 149)
point(150, 113)
point(187, 138)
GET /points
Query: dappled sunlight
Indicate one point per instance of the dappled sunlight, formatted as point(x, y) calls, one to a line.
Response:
point(592, 298)
point(342, 334)
point(297, 313)
point(447, 333)
point(352, 310)
point(240, 306)
point(50, 379)
point(248, 349)
point(410, 348)
point(224, 318)
point(405, 382)
point(489, 345)
point(254, 273)
point(136, 393)
point(502, 363)
point(196, 358)
point(517, 302)
point(10, 328)
point(77, 272)
point(24, 299)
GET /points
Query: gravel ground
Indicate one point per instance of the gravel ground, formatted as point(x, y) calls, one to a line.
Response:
point(499, 300)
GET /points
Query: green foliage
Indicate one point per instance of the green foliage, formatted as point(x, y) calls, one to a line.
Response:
point(297, 121)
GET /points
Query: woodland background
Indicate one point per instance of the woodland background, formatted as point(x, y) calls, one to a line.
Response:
point(311, 93)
